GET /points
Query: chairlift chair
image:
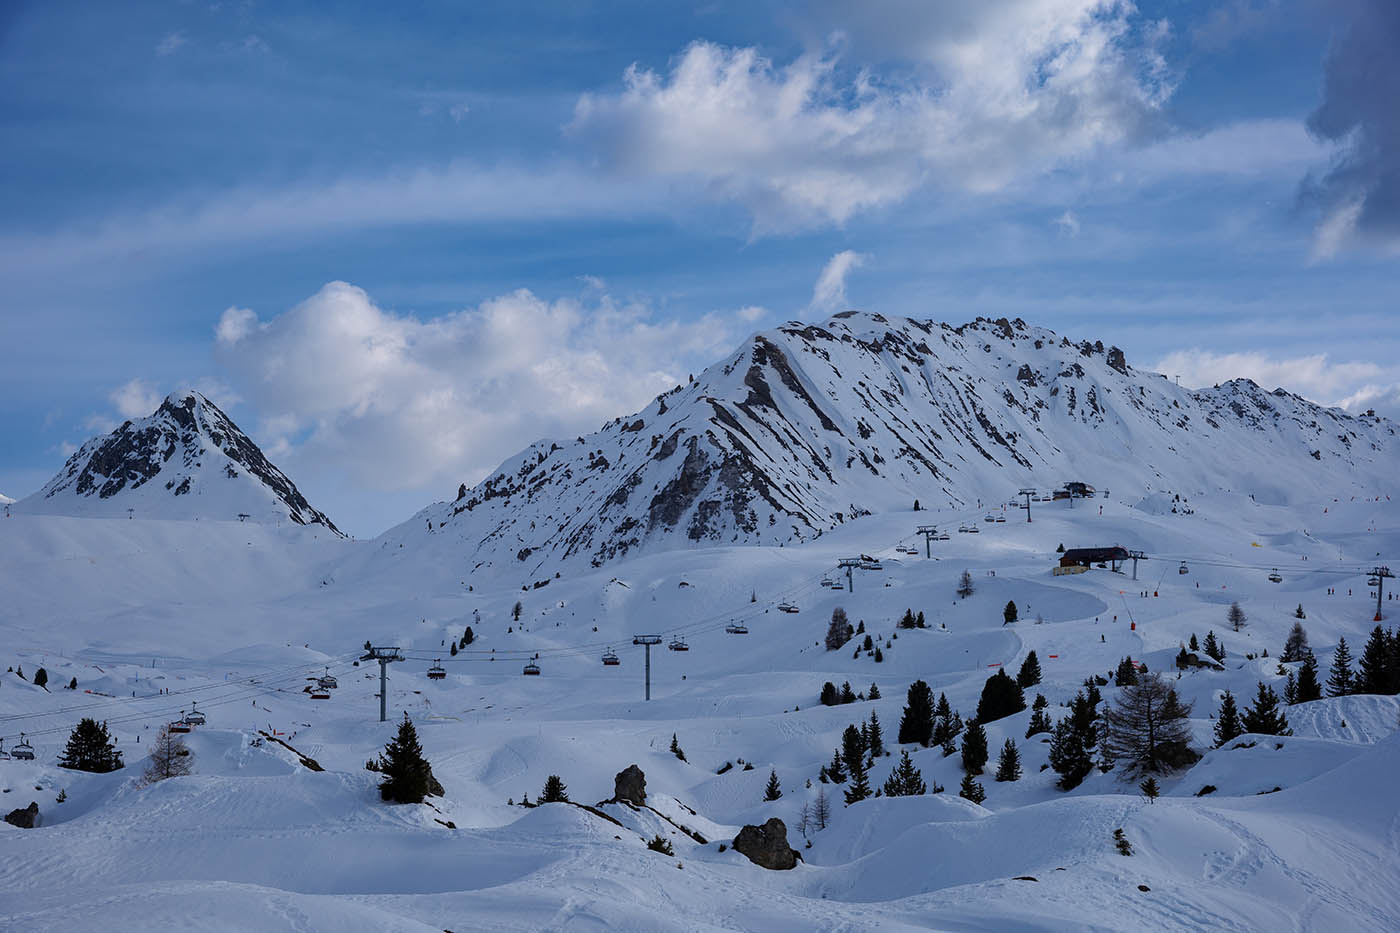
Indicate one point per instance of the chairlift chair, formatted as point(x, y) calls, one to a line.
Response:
point(610, 659)
point(989, 518)
point(972, 530)
point(194, 718)
point(179, 727)
point(1001, 519)
point(944, 537)
point(1275, 576)
point(786, 607)
point(327, 682)
point(678, 644)
point(318, 695)
point(737, 628)
point(23, 751)
point(1373, 581)
point(436, 672)
point(531, 670)
point(1183, 568)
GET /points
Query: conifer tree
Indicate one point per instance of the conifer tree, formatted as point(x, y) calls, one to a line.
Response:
point(1371, 674)
point(1309, 688)
point(847, 694)
point(1148, 727)
point(468, 637)
point(1069, 755)
point(515, 611)
point(774, 790)
point(1001, 696)
point(1183, 659)
point(452, 649)
point(1008, 614)
point(821, 809)
point(839, 631)
point(1150, 790)
point(852, 748)
point(1299, 613)
point(920, 623)
point(1290, 689)
point(1340, 681)
point(875, 737)
point(1192, 644)
point(90, 748)
point(676, 748)
point(1235, 616)
point(1009, 762)
point(916, 725)
point(873, 693)
point(829, 695)
point(860, 784)
point(1126, 675)
point(1029, 674)
point(1227, 721)
point(169, 758)
point(554, 790)
point(907, 620)
point(41, 678)
point(974, 748)
point(971, 790)
point(404, 768)
point(1040, 722)
point(1296, 647)
point(836, 770)
point(965, 587)
point(1213, 648)
point(905, 780)
point(1265, 717)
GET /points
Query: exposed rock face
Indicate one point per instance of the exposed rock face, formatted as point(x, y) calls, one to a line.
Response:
point(630, 785)
point(767, 845)
point(27, 818)
point(186, 460)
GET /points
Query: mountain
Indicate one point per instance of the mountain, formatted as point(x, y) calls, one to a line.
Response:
point(187, 460)
point(810, 425)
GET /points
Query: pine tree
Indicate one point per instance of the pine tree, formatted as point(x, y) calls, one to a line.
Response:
point(1235, 616)
point(829, 695)
point(965, 587)
point(852, 748)
point(1009, 762)
point(860, 784)
point(41, 678)
point(72, 684)
point(1029, 674)
point(554, 790)
point(1340, 681)
point(1148, 728)
point(1040, 722)
point(1183, 659)
point(879, 656)
point(468, 637)
point(774, 790)
point(90, 748)
point(1126, 675)
point(1296, 647)
point(1264, 717)
point(1213, 648)
point(907, 620)
point(1150, 790)
point(1290, 689)
point(974, 748)
point(515, 611)
point(1299, 613)
point(847, 694)
point(404, 768)
point(1069, 755)
point(916, 725)
point(905, 780)
point(676, 748)
point(837, 769)
point(873, 693)
point(1371, 674)
point(169, 758)
point(868, 644)
point(1008, 614)
point(452, 649)
point(1308, 686)
point(1227, 721)
point(875, 737)
point(839, 631)
point(1001, 696)
point(971, 790)
point(1192, 644)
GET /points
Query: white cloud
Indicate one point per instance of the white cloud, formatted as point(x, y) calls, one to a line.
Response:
point(171, 44)
point(458, 112)
point(751, 313)
point(829, 292)
point(401, 403)
point(135, 399)
point(1354, 386)
point(1338, 226)
point(1067, 223)
point(1000, 92)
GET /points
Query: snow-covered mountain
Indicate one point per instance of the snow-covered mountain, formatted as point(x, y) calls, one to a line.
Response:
point(807, 426)
point(186, 460)
point(5, 500)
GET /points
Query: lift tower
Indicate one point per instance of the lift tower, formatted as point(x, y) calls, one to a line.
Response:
point(385, 656)
point(646, 641)
point(929, 532)
point(1028, 492)
point(1380, 573)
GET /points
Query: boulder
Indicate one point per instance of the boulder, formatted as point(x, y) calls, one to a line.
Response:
point(767, 845)
point(630, 785)
point(27, 818)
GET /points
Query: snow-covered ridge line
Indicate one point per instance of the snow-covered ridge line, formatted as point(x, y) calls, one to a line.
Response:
point(809, 425)
point(186, 460)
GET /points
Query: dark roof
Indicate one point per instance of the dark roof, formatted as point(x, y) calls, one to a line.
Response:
point(1094, 555)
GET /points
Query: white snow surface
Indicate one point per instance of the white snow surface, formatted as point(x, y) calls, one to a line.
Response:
point(236, 617)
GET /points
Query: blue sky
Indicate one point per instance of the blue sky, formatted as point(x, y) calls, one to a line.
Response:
point(399, 242)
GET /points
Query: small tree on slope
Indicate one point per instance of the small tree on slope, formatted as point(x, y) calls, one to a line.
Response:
point(169, 758)
point(1029, 674)
point(1227, 721)
point(1340, 681)
point(974, 748)
point(965, 587)
point(971, 790)
point(1235, 616)
point(1296, 647)
point(1308, 686)
point(554, 790)
point(404, 768)
point(1265, 717)
point(905, 780)
point(916, 725)
point(90, 748)
point(774, 790)
point(1009, 762)
point(1149, 728)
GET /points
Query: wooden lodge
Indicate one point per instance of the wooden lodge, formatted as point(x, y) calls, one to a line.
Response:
point(1080, 559)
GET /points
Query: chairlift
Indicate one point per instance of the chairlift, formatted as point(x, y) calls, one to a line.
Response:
point(1275, 577)
point(944, 537)
point(23, 751)
point(1373, 581)
point(318, 695)
point(327, 682)
point(737, 628)
point(1183, 568)
point(989, 518)
point(531, 670)
point(195, 718)
point(610, 659)
point(678, 644)
point(786, 607)
point(1001, 519)
point(436, 672)
point(179, 727)
point(972, 530)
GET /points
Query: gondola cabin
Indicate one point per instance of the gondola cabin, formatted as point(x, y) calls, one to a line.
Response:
point(610, 659)
point(436, 672)
point(531, 670)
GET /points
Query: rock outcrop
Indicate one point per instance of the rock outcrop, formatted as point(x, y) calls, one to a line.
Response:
point(767, 845)
point(26, 818)
point(630, 786)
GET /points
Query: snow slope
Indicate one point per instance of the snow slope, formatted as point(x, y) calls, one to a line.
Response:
point(807, 426)
point(186, 460)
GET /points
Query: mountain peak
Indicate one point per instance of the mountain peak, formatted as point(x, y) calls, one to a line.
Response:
point(185, 460)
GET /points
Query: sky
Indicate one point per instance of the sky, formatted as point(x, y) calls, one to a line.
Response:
point(399, 242)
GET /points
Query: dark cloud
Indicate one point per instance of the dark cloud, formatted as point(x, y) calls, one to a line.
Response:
point(1361, 110)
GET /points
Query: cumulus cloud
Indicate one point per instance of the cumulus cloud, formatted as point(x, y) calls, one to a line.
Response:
point(400, 403)
point(171, 44)
point(1354, 386)
point(998, 93)
point(829, 293)
point(1359, 195)
point(135, 399)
